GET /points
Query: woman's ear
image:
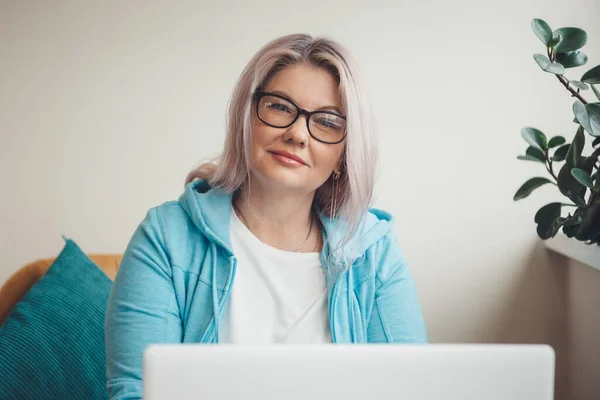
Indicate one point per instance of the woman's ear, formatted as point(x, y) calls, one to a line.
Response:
point(340, 161)
point(338, 165)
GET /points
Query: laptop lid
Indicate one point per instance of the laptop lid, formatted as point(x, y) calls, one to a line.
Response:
point(348, 372)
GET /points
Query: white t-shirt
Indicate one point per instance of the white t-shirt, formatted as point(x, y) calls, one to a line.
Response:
point(277, 296)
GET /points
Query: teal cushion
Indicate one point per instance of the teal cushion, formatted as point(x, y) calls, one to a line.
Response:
point(52, 342)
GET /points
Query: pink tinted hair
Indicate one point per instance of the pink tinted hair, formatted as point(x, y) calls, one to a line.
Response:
point(359, 157)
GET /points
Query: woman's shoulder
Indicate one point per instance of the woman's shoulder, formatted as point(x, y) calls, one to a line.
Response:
point(169, 214)
point(377, 225)
point(174, 228)
point(381, 228)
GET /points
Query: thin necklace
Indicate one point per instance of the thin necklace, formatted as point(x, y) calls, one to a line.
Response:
point(296, 250)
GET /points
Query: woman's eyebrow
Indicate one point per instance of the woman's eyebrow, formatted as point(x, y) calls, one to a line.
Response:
point(330, 108)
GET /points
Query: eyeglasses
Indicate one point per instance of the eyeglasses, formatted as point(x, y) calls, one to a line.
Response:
point(277, 111)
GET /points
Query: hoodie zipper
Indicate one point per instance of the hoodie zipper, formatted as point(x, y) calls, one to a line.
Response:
point(211, 326)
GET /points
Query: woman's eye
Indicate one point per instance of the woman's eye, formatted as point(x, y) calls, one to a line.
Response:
point(328, 123)
point(278, 107)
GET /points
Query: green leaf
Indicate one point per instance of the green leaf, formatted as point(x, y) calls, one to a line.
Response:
point(587, 164)
point(528, 158)
point(578, 199)
point(571, 59)
point(546, 218)
point(592, 76)
point(533, 154)
point(588, 116)
point(582, 176)
point(542, 30)
point(579, 85)
point(561, 153)
point(571, 225)
point(571, 230)
point(573, 221)
point(577, 145)
point(536, 153)
point(556, 141)
point(567, 184)
point(596, 91)
point(590, 224)
point(581, 114)
point(535, 138)
point(560, 221)
point(594, 114)
point(555, 40)
point(529, 186)
point(548, 66)
point(571, 39)
point(596, 142)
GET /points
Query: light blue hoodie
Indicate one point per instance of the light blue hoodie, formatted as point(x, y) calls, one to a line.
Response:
point(179, 268)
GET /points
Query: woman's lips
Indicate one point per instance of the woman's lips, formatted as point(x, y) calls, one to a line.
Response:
point(288, 158)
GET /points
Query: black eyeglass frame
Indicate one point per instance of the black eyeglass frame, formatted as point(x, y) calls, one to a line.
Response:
point(259, 94)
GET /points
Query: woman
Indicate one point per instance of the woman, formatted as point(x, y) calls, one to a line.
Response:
point(271, 239)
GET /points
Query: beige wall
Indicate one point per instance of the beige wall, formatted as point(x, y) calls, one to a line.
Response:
point(105, 106)
point(583, 331)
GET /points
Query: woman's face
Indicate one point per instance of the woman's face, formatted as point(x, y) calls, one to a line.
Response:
point(313, 89)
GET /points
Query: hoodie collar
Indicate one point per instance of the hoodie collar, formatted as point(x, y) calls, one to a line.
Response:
point(210, 210)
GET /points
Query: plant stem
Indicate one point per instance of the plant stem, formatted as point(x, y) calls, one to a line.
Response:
point(549, 167)
point(563, 80)
point(570, 89)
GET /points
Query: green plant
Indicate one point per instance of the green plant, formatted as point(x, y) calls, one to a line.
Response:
point(578, 178)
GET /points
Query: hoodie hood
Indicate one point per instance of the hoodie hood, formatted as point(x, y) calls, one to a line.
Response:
point(210, 210)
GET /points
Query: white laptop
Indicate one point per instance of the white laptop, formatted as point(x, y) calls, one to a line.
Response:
point(349, 372)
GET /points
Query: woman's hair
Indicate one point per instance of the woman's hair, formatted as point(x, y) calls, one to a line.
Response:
point(358, 164)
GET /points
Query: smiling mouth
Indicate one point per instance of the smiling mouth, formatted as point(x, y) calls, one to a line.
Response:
point(287, 160)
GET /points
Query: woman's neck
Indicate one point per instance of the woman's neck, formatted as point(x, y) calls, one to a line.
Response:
point(281, 220)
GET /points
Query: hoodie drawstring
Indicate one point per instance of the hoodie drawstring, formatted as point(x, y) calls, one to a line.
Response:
point(349, 281)
point(213, 250)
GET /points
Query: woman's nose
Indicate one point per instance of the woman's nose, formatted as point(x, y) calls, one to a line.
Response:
point(298, 131)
